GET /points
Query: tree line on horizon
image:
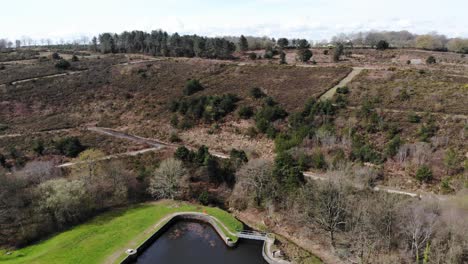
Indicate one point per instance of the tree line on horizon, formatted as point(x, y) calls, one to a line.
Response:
point(161, 43)
point(403, 39)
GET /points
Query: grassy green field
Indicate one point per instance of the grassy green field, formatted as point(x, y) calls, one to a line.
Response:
point(105, 238)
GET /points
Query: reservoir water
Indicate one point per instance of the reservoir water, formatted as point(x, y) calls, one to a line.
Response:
point(188, 242)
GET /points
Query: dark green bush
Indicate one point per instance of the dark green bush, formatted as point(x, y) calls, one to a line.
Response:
point(174, 138)
point(287, 172)
point(238, 157)
point(318, 161)
point(2, 160)
point(208, 108)
point(182, 153)
point(431, 60)
point(192, 87)
point(391, 148)
point(414, 118)
point(427, 131)
point(304, 55)
point(204, 198)
point(69, 146)
point(342, 90)
point(62, 64)
point(424, 174)
point(245, 112)
point(382, 45)
point(56, 56)
point(38, 147)
point(256, 93)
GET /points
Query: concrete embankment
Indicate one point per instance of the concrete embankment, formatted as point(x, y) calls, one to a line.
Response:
point(218, 226)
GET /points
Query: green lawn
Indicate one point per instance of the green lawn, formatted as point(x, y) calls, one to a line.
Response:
point(105, 237)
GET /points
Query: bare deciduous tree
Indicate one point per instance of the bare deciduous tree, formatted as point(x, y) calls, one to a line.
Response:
point(417, 226)
point(254, 180)
point(36, 172)
point(166, 181)
point(331, 208)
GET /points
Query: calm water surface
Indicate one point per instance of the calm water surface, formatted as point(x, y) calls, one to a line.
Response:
point(193, 242)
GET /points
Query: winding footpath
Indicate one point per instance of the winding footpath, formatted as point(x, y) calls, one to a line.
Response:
point(310, 175)
point(328, 95)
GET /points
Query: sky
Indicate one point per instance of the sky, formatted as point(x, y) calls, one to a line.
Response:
point(309, 19)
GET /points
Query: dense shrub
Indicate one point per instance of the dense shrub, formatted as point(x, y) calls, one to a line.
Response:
point(414, 118)
point(62, 64)
point(342, 90)
point(282, 58)
point(245, 112)
point(183, 154)
point(431, 60)
point(427, 131)
point(38, 147)
point(192, 87)
point(208, 108)
point(56, 56)
point(204, 198)
point(174, 138)
point(287, 172)
point(269, 113)
point(238, 157)
point(252, 56)
point(364, 152)
point(285, 141)
point(2, 160)
point(391, 148)
point(256, 93)
point(304, 55)
point(382, 45)
point(69, 146)
point(74, 58)
point(424, 174)
point(318, 161)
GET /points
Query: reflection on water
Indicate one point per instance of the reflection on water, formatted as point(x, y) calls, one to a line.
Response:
point(193, 242)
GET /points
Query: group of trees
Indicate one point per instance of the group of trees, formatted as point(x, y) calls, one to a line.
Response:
point(39, 198)
point(160, 43)
point(403, 39)
point(373, 227)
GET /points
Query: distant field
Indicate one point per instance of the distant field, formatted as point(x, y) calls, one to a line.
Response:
point(428, 90)
point(112, 232)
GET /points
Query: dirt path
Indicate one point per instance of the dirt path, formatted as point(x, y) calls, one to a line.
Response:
point(330, 93)
point(113, 156)
point(160, 144)
point(122, 135)
point(443, 115)
point(149, 141)
point(48, 76)
point(380, 188)
point(76, 72)
point(139, 61)
point(39, 132)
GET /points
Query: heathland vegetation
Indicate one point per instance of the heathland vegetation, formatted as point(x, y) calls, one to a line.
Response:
point(251, 133)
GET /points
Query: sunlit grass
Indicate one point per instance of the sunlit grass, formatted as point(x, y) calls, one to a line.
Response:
point(108, 234)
